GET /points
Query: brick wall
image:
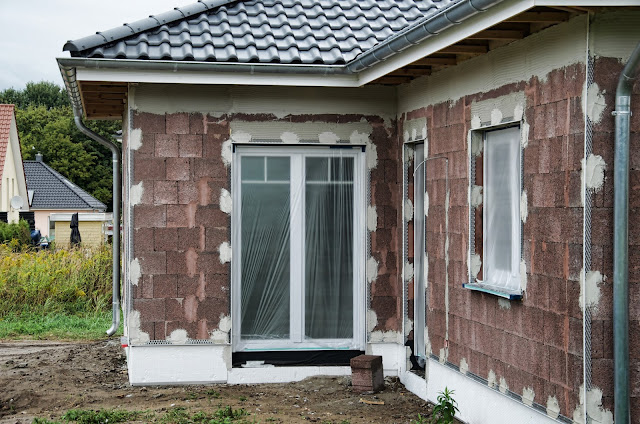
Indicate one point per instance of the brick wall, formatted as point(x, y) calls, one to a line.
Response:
point(178, 225)
point(535, 343)
point(606, 74)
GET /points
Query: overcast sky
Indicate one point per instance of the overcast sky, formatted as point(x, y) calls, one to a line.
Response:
point(32, 32)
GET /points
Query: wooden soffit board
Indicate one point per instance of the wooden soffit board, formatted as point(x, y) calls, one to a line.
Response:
point(103, 100)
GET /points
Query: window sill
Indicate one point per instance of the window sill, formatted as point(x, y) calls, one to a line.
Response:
point(486, 289)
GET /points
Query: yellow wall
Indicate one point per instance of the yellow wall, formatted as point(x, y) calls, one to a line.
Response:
point(90, 232)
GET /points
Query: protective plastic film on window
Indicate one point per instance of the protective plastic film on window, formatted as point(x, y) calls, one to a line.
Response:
point(298, 241)
point(502, 209)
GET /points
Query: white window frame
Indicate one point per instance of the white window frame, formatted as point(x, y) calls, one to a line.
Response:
point(297, 266)
point(475, 283)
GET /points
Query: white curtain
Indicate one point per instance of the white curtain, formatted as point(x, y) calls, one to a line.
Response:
point(419, 307)
point(502, 209)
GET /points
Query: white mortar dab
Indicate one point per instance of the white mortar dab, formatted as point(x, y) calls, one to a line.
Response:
point(476, 196)
point(475, 265)
point(590, 287)
point(408, 271)
point(372, 320)
point(523, 275)
point(524, 135)
point(475, 122)
point(492, 381)
point(241, 137)
point(328, 137)
point(221, 334)
point(135, 139)
point(528, 395)
point(496, 116)
point(426, 203)
point(225, 252)
point(288, 137)
point(226, 203)
point(134, 271)
point(503, 386)
point(385, 337)
point(135, 194)
point(595, 102)
point(372, 269)
point(553, 408)
point(464, 366)
point(518, 112)
point(524, 211)
point(408, 210)
point(372, 218)
point(504, 303)
point(136, 336)
point(178, 337)
point(593, 172)
point(226, 153)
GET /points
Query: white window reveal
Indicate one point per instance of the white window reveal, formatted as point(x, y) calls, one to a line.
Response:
point(496, 222)
point(298, 274)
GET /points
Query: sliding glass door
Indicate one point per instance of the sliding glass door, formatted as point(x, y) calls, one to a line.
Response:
point(298, 232)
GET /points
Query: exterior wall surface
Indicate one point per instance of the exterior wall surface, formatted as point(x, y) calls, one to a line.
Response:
point(92, 233)
point(180, 159)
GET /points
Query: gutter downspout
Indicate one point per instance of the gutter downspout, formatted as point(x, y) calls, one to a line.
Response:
point(117, 199)
point(622, 115)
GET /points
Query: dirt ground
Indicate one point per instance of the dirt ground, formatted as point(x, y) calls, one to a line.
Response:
point(45, 379)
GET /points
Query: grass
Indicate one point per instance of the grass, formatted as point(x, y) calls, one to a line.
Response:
point(55, 294)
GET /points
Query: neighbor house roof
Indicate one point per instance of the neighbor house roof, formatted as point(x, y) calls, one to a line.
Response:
point(6, 116)
point(326, 32)
point(53, 191)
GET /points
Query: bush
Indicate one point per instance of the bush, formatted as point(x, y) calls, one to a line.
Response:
point(69, 281)
point(16, 234)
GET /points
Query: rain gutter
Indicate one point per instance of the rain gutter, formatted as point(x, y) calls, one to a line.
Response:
point(418, 32)
point(622, 115)
point(69, 77)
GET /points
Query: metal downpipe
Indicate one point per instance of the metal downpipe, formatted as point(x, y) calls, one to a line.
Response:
point(622, 115)
point(117, 199)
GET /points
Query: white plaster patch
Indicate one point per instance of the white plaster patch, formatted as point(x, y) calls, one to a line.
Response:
point(135, 194)
point(523, 275)
point(528, 395)
point(475, 143)
point(496, 116)
point(524, 211)
point(595, 411)
point(414, 133)
point(406, 136)
point(524, 135)
point(426, 203)
point(372, 320)
point(289, 138)
point(503, 386)
point(225, 323)
point(136, 336)
point(475, 122)
point(492, 381)
point(590, 287)
point(596, 103)
point(408, 210)
point(372, 269)
point(328, 137)
point(372, 155)
point(134, 271)
point(424, 133)
point(442, 358)
point(357, 137)
point(226, 153)
point(464, 366)
point(408, 271)
point(219, 337)
point(518, 111)
point(427, 342)
point(553, 408)
point(385, 337)
point(476, 196)
point(476, 264)
point(178, 336)
point(135, 139)
point(408, 326)
point(593, 172)
point(241, 137)
point(504, 303)
point(226, 203)
point(410, 153)
point(372, 218)
point(425, 270)
point(225, 252)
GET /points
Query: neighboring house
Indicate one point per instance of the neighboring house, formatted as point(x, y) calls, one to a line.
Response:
point(55, 199)
point(436, 173)
point(12, 181)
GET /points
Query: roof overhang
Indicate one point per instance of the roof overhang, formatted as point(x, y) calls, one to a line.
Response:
point(99, 87)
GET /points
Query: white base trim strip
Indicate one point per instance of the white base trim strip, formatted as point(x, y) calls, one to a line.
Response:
point(282, 374)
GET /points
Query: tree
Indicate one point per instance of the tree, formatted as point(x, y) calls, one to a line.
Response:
point(45, 124)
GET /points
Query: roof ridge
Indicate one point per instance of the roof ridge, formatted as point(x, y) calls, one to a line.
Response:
point(142, 25)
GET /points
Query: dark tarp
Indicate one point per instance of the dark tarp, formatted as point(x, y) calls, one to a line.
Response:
point(75, 233)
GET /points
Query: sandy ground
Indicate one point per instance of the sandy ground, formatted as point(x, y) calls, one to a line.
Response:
point(45, 379)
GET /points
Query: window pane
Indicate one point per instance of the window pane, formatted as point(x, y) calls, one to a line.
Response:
point(328, 260)
point(419, 312)
point(265, 260)
point(502, 208)
point(278, 169)
point(252, 168)
point(341, 169)
point(317, 169)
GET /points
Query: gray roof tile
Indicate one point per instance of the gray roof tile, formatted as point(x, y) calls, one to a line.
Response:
point(53, 191)
point(325, 32)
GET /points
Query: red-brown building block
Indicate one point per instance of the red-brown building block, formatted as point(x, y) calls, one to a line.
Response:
point(366, 373)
